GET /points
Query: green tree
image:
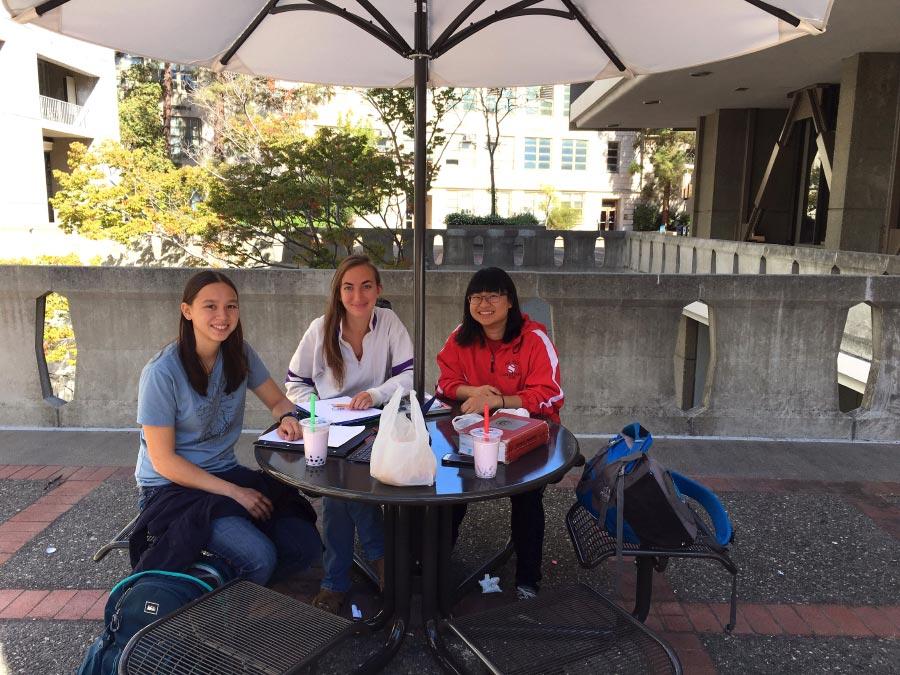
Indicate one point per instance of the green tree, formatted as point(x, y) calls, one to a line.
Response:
point(668, 152)
point(302, 192)
point(140, 115)
point(131, 196)
point(396, 111)
point(494, 105)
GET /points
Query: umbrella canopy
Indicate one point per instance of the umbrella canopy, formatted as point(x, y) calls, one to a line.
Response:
point(484, 43)
point(468, 43)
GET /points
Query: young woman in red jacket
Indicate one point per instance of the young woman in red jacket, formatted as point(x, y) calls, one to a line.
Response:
point(500, 358)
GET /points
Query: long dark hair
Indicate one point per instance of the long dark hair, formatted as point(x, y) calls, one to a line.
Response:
point(335, 313)
point(490, 280)
point(234, 359)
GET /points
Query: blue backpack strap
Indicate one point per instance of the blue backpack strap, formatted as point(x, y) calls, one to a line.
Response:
point(701, 494)
point(127, 581)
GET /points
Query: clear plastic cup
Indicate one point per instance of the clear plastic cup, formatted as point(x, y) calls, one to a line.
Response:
point(486, 449)
point(315, 442)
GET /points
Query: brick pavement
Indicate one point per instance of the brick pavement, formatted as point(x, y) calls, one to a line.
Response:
point(679, 623)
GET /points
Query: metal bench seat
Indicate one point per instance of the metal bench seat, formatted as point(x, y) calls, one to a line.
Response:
point(573, 629)
point(241, 628)
point(593, 544)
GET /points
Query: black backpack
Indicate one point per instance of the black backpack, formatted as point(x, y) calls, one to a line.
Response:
point(136, 602)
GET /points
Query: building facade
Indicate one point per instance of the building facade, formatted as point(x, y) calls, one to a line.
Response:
point(54, 91)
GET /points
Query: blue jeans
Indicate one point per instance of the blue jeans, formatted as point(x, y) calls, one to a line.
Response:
point(294, 546)
point(339, 518)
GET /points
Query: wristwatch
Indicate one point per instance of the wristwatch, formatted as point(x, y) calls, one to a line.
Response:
point(290, 413)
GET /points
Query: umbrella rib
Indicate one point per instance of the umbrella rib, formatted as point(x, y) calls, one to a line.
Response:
point(387, 25)
point(510, 12)
point(367, 25)
point(456, 23)
point(248, 31)
point(595, 36)
point(777, 12)
point(45, 7)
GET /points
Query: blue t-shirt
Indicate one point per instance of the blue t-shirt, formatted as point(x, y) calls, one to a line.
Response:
point(206, 427)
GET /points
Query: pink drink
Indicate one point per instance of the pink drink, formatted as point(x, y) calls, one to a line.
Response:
point(315, 442)
point(486, 448)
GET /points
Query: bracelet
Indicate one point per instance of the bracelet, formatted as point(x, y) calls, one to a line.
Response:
point(291, 413)
point(502, 401)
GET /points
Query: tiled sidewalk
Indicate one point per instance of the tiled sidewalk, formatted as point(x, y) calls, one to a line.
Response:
point(690, 623)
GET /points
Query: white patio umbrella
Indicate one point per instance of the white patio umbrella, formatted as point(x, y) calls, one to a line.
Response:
point(420, 43)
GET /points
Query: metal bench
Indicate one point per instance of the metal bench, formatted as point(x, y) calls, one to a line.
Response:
point(241, 628)
point(593, 544)
point(119, 541)
point(567, 630)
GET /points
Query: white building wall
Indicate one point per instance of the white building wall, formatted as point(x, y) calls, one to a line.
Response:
point(25, 132)
point(463, 181)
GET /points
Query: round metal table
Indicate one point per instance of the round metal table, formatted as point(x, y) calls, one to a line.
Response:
point(429, 506)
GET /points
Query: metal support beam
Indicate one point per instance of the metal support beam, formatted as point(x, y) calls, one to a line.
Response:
point(420, 133)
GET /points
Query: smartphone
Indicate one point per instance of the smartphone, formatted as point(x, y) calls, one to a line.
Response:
point(456, 459)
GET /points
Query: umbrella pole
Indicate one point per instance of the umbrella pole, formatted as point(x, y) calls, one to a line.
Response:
point(419, 133)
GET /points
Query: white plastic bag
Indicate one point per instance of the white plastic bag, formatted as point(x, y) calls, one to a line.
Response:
point(401, 454)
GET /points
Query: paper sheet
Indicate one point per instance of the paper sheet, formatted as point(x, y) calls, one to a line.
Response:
point(337, 436)
point(327, 411)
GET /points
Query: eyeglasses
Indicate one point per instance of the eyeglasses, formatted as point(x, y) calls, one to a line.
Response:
point(492, 298)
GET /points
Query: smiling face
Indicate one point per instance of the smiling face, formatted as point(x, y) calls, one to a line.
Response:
point(359, 291)
point(490, 309)
point(214, 314)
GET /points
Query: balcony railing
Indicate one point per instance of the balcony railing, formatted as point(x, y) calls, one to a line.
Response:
point(62, 112)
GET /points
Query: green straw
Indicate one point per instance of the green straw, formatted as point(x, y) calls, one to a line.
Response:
point(312, 412)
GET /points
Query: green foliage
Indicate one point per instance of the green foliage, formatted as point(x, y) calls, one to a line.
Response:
point(668, 152)
point(302, 192)
point(59, 338)
point(562, 218)
point(645, 217)
point(467, 219)
point(128, 195)
point(140, 111)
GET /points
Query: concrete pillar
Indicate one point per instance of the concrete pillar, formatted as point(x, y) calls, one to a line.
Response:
point(458, 247)
point(864, 153)
point(734, 149)
point(579, 250)
point(499, 244)
point(615, 250)
point(876, 420)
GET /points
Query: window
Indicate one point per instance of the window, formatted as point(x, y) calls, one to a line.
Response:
point(612, 156)
point(567, 99)
point(185, 136)
point(575, 201)
point(503, 202)
point(608, 210)
point(573, 156)
point(535, 203)
point(459, 201)
point(539, 100)
point(537, 153)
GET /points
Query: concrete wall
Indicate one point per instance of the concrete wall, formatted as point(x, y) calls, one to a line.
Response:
point(664, 253)
point(772, 372)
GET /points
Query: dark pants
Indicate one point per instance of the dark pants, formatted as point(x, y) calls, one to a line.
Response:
point(527, 525)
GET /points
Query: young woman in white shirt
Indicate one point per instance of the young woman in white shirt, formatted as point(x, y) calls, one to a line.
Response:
point(359, 350)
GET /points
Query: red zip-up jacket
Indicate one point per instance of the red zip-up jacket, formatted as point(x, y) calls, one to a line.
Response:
point(527, 367)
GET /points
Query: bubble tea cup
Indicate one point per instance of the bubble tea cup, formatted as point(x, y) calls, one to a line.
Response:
point(315, 442)
point(486, 449)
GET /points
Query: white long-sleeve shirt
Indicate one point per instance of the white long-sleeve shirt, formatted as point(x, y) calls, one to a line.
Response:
point(386, 363)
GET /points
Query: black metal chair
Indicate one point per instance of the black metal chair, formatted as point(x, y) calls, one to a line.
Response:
point(567, 630)
point(593, 544)
point(118, 541)
point(241, 628)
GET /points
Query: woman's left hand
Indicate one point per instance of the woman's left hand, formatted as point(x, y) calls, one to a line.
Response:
point(475, 404)
point(362, 401)
point(289, 429)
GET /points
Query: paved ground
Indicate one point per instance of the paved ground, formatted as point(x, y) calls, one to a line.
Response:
point(818, 544)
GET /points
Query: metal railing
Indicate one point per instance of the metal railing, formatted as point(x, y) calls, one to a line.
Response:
point(62, 112)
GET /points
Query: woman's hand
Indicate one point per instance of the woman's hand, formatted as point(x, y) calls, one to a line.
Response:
point(256, 503)
point(362, 401)
point(476, 403)
point(289, 429)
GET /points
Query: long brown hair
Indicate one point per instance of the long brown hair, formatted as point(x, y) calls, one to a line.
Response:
point(234, 359)
point(335, 313)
